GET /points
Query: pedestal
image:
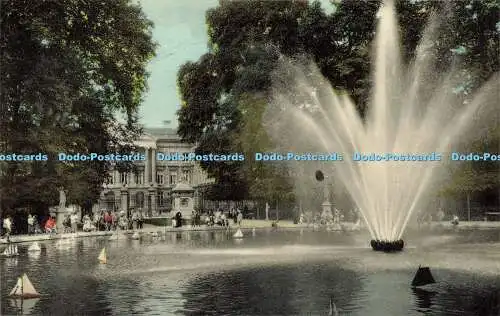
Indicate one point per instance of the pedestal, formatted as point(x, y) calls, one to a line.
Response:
point(326, 212)
point(183, 200)
point(184, 204)
point(60, 214)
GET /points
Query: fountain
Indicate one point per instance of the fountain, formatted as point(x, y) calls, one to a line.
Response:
point(392, 158)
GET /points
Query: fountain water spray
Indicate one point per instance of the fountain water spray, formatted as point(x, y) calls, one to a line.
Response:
point(413, 113)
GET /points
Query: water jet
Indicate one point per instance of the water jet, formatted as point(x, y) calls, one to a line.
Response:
point(395, 155)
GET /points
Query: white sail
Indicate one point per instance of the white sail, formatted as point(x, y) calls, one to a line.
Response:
point(35, 247)
point(102, 256)
point(24, 288)
point(18, 289)
point(238, 234)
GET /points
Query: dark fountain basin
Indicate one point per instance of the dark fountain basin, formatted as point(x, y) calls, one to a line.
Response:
point(387, 246)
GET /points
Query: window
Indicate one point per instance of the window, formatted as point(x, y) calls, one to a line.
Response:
point(160, 200)
point(166, 195)
point(184, 202)
point(159, 178)
point(186, 176)
point(139, 199)
point(123, 177)
point(139, 177)
point(173, 179)
point(109, 179)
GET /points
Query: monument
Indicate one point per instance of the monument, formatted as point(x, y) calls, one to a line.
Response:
point(183, 199)
point(326, 212)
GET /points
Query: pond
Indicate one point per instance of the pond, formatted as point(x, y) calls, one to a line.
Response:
point(271, 273)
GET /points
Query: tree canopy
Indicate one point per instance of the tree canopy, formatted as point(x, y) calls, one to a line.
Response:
point(68, 67)
point(247, 37)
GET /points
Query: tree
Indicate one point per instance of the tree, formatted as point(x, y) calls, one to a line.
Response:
point(68, 68)
point(268, 181)
point(469, 180)
point(247, 37)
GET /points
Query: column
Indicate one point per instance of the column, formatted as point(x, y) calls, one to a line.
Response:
point(146, 167)
point(153, 166)
point(152, 195)
point(124, 200)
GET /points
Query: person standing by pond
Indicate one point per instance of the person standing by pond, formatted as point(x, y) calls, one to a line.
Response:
point(140, 219)
point(108, 220)
point(31, 224)
point(66, 224)
point(74, 222)
point(240, 217)
point(7, 226)
point(135, 219)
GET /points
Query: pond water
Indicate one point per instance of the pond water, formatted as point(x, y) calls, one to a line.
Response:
point(271, 273)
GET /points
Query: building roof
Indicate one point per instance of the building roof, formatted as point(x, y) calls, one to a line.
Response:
point(182, 187)
point(160, 131)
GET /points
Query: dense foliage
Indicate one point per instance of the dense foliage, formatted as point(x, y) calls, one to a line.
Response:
point(245, 38)
point(68, 67)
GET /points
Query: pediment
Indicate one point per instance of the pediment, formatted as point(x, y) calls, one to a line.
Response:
point(146, 141)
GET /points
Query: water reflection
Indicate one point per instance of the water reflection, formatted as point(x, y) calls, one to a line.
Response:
point(472, 296)
point(424, 299)
point(287, 290)
point(24, 307)
point(273, 273)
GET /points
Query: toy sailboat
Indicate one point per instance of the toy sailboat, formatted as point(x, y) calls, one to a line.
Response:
point(10, 251)
point(423, 277)
point(238, 234)
point(34, 247)
point(24, 289)
point(102, 256)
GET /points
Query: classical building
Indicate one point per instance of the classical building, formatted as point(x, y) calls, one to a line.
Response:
point(158, 186)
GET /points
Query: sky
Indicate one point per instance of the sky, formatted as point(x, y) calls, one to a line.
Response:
point(180, 31)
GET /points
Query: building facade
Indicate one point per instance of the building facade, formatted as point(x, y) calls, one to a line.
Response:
point(150, 187)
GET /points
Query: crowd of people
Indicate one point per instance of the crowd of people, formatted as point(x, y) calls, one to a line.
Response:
point(221, 218)
point(105, 220)
point(72, 223)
